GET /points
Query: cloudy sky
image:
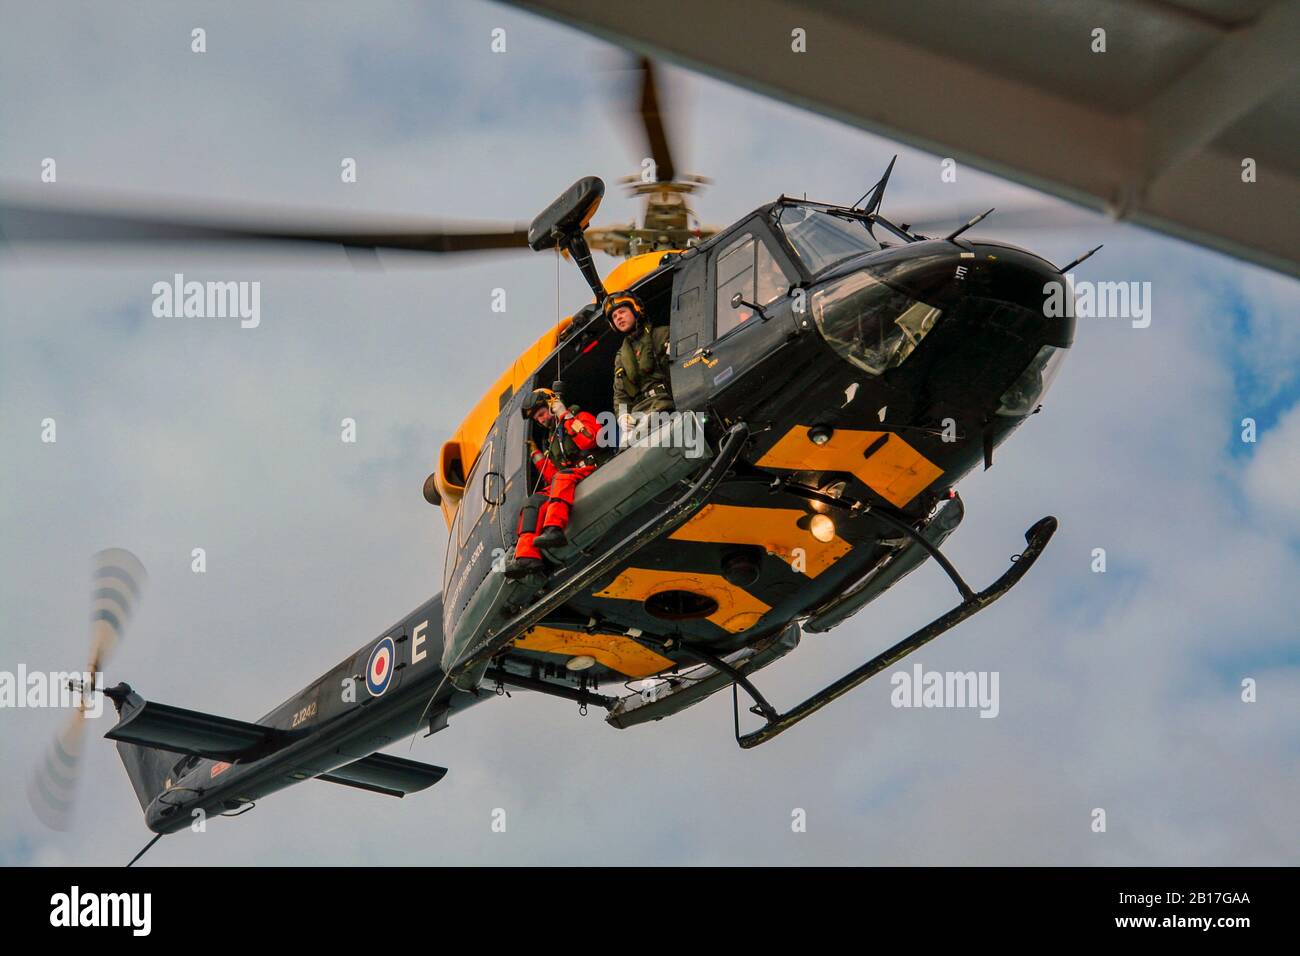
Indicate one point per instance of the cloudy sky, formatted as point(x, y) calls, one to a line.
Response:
point(1119, 691)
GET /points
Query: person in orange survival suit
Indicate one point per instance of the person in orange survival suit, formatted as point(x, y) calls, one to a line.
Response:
point(569, 457)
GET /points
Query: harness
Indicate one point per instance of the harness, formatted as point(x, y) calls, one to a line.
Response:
point(640, 364)
point(564, 452)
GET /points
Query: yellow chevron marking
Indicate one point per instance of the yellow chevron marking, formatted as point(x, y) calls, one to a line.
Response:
point(616, 652)
point(773, 529)
point(896, 471)
point(737, 610)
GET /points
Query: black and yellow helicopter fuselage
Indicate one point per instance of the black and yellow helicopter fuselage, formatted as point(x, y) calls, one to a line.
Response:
point(834, 377)
point(867, 378)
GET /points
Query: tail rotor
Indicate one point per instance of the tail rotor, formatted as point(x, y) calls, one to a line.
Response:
point(118, 578)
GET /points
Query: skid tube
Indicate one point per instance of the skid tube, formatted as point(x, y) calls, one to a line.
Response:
point(1036, 539)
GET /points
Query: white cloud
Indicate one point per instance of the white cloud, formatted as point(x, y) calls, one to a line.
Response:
point(1272, 478)
point(1118, 690)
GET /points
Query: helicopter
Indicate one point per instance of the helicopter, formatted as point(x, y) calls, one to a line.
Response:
point(834, 373)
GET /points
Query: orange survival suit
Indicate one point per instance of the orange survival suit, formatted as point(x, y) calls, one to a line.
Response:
point(568, 458)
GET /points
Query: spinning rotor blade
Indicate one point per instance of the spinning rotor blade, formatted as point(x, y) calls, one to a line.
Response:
point(1033, 217)
point(118, 579)
point(24, 221)
point(119, 576)
point(52, 788)
point(652, 120)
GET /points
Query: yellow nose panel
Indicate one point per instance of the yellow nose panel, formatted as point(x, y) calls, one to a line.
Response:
point(616, 652)
point(738, 610)
point(774, 529)
point(894, 470)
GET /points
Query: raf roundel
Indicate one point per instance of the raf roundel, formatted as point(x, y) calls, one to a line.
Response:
point(380, 669)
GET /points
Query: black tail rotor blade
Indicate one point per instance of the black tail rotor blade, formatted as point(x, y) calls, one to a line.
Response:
point(119, 578)
point(52, 787)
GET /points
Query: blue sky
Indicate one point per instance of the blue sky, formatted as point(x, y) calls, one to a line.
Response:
point(1118, 690)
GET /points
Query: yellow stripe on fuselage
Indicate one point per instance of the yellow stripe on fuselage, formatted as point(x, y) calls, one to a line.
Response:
point(616, 652)
point(774, 529)
point(467, 441)
point(895, 470)
point(737, 610)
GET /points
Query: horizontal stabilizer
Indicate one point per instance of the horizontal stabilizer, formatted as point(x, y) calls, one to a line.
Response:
point(380, 773)
point(161, 727)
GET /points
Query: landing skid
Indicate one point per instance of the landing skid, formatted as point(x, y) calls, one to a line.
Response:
point(1036, 540)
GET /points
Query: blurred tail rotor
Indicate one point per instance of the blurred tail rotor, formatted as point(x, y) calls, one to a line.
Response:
point(119, 578)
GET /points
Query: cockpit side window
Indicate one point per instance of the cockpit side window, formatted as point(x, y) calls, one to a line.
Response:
point(449, 558)
point(473, 504)
point(748, 267)
point(515, 438)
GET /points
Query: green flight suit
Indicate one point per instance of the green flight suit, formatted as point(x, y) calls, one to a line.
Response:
point(641, 371)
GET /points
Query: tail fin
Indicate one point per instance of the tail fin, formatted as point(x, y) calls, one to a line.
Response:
point(148, 769)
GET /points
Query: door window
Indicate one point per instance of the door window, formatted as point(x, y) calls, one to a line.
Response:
point(515, 439)
point(473, 504)
point(747, 267)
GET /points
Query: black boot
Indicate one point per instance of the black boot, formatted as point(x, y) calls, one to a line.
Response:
point(552, 537)
point(522, 567)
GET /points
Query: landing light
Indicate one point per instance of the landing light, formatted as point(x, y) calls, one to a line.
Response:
point(822, 528)
point(581, 662)
point(820, 434)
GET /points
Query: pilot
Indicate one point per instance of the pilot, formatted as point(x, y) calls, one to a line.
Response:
point(641, 368)
point(569, 457)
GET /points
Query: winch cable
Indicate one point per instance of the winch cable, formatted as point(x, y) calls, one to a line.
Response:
point(147, 846)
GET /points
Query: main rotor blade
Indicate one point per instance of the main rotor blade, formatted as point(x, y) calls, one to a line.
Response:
point(652, 120)
point(23, 221)
point(1021, 217)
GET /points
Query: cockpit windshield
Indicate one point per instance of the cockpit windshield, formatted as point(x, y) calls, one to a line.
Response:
point(821, 238)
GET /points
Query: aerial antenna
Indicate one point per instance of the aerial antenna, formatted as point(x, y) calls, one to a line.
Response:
point(1086, 255)
point(146, 849)
point(960, 229)
point(876, 193)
